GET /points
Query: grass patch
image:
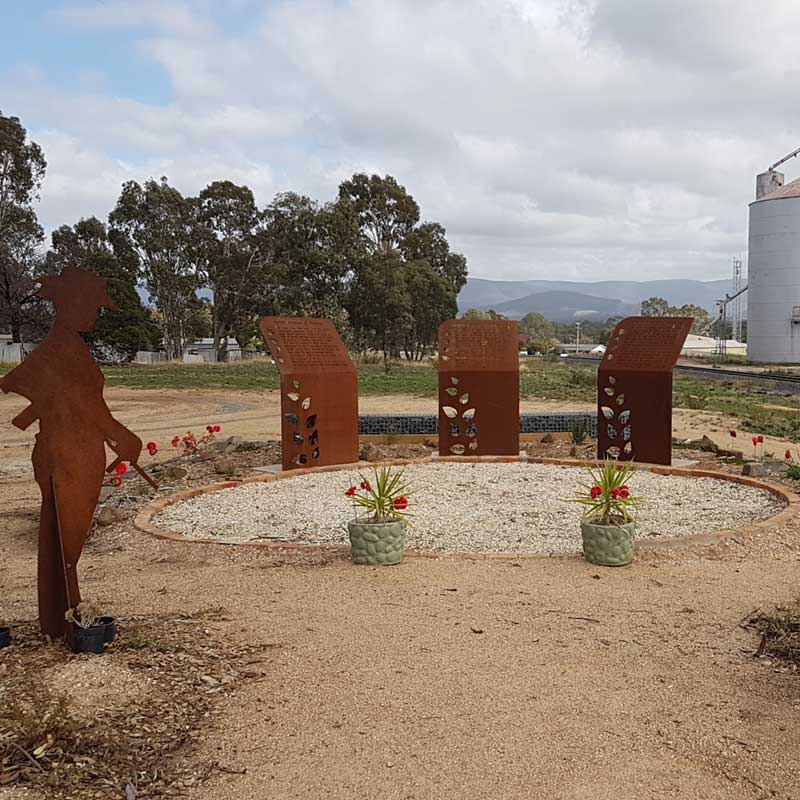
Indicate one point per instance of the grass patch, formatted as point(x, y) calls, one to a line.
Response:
point(780, 631)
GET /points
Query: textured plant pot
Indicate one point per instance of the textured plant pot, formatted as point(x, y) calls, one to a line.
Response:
point(110, 627)
point(377, 543)
point(608, 545)
point(88, 640)
point(5, 637)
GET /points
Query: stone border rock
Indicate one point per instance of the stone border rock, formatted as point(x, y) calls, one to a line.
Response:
point(144, 519)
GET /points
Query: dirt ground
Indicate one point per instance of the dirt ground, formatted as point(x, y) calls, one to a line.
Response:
point(445, 679)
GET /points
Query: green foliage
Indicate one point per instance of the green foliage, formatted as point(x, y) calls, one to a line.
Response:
point(793, 472)
point(382, 498)
point(659, 307)
point(579, 431)
point(540, 333)
point(607, 498)
point(477, 313)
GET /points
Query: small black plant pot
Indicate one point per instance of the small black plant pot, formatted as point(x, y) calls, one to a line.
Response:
point(5, 637)
point(87, 640)
point(110, 626)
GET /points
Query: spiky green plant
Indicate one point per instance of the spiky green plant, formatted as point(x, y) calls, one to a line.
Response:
point(384, 498)
point(607, 498)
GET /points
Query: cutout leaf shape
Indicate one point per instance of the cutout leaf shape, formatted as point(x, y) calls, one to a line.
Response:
point(609, 391)
point(293, 396)
point(613, 451)
point(608, 413)
point(306, 404)
point(452, 391)
point(450, 412)
point(624, 416)
point(464, 399)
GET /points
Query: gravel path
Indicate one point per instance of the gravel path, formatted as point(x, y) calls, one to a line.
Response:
point(477, 508)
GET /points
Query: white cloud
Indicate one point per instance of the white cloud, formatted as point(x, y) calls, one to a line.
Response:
point(589, 138)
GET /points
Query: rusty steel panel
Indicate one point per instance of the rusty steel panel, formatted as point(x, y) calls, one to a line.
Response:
point(64, 386)
point(319, 392)
point(478, 387)
point(634, 389)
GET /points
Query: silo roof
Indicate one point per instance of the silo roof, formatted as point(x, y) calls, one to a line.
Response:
point(791, 189)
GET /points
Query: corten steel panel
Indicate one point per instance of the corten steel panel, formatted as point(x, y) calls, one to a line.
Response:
point(634, 389)
point(478, 388)
point(65, 388)
point(319, 392)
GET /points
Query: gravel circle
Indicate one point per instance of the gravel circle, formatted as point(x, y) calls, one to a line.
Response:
point(471, 508)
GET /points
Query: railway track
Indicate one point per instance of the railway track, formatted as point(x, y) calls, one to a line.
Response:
point(777, 381)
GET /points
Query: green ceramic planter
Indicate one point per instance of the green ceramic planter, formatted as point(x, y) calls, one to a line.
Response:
point(377, 543)
point(608, 545)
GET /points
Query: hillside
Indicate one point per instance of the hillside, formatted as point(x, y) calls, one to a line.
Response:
point(517, 298)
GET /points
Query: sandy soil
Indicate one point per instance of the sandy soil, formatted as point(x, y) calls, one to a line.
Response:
point(447, 679)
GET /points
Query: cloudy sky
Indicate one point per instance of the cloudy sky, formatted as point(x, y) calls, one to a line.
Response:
point(572, 139)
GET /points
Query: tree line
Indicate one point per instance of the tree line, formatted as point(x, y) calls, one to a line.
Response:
point(215, 263)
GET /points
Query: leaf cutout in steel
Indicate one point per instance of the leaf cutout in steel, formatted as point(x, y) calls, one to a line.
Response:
point(452, 391)
point(300, 459)
point(293, 396)
point(291, 419)
point(609, 356)
point(454, 381)
point(626, 433)
point(612, 380)
point(457, 449)
point(296, 384)
point(450, 412)
point(624, 416)
point(444, 358)
point(609, 391)
point(620, 399)
point(629, 448)
point(314, 438)
point(468, 414)
point(612, 432)
point(472, 433)
point(311, 421)
point(315, 453)
point(297, 438)
point(306, 404)
point(613, 451)
point(608, 413)
point(464, 399)
point(473, 445)
point(281, 360)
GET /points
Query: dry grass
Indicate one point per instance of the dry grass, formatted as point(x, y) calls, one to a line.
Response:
point(780, 631)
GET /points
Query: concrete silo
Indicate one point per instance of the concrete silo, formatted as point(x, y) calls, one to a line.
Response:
point(773, 295)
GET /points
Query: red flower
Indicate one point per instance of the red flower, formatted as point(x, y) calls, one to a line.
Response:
point(365, 486)
point(152, 448)
point(732, 433)
point(210, 428)
point(350, 492)
point(217, 429)
point(116, 481)
point(121, 468)
point(760, 439)
point(595, 492)
point(624, 492)
point(175, 441)
point(614, 494)
point(755, 441)
point(401, 503)
point(788, 455)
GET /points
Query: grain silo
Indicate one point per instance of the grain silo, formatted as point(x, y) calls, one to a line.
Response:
point(773, 296)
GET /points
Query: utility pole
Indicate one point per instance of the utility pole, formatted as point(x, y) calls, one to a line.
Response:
point(577, 337)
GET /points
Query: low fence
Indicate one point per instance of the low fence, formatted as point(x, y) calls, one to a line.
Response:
point(428, 424)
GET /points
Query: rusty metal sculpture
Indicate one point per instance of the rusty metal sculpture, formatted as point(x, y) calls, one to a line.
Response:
point(65, 388)
point(478, 388)
point(319, 392)
point(634, 389)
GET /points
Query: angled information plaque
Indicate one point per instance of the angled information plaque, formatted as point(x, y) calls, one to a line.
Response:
point(478, 388)
point(634, 389)
point(319, 392)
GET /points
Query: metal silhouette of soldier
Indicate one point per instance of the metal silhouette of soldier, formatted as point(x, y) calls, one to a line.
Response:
point(65, 388)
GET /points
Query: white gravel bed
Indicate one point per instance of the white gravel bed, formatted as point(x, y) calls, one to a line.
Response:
point(475, 508)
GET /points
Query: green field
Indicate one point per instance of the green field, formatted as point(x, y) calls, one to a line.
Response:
point(755, 408)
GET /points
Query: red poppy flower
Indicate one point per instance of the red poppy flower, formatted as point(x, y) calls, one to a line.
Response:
point(788, 455)
point(175, 441)
point(624, 492)
point(732, 433)
point(152, 448)
point(595, 492)
point(755, 441)
point(116, 481)
point(210, 428)
point(217, 429)
point(760, 439)
point(121, 468)
point(365, 486)
point(350, 492)
point(401, 503)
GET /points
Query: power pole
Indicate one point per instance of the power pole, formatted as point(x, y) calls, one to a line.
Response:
point(577, 337)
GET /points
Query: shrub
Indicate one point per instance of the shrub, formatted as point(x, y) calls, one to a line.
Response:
point(385, 498)
point(607, 498)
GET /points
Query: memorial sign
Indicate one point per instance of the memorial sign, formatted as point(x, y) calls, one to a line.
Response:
point(634, 389)
point(478, 388)
point(319, 392)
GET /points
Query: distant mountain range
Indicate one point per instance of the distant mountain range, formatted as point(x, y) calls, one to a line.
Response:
point(568, 301)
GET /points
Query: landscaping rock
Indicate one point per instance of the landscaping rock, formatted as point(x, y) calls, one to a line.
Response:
point(431, 443)
point(108, 515)
point(754, 469)
point(547, 439)
point(176, 473)
point(372, 452)
point(776, 467)
point(225, 466)
point(708, 445)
